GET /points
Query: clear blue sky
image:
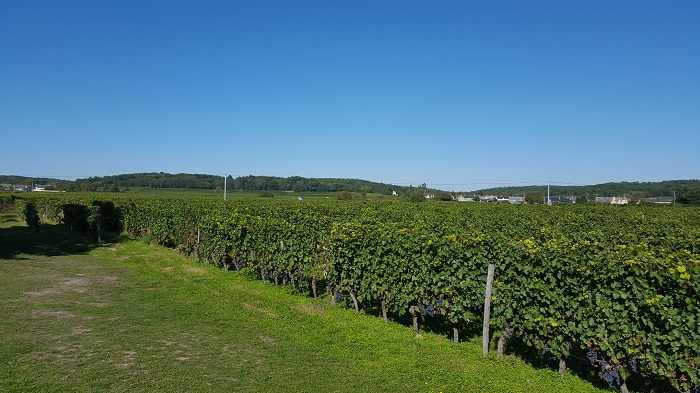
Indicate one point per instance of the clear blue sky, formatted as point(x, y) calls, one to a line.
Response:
point(456, 94)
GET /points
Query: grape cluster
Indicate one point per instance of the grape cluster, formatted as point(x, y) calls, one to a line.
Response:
point(429, 309)
point(592, 356)
point(610, 374)
point(633, 365)
point(422, 312)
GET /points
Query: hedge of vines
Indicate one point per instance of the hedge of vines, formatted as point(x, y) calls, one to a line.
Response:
point(620, 284)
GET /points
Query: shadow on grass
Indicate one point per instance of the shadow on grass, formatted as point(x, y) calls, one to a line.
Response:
point(578, 364)
point(49, 240)
point(437, 324)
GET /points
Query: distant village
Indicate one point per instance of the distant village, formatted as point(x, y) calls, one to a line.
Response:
point(555, 199)
point(614, 200)
point(26, 188)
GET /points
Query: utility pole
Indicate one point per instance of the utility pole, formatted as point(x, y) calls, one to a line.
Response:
point(225, 176)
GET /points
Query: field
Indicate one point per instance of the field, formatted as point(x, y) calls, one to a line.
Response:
point(601, 292)
point(126, 316)
point(219, 194)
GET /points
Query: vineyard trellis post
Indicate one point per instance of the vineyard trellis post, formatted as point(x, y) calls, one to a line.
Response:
point(487, 308)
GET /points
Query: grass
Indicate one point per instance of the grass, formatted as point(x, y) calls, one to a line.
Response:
point(127, 316)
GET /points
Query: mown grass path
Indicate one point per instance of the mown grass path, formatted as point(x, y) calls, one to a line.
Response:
point(126, 316)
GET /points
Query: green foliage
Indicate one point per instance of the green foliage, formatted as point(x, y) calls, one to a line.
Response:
point(344, 196)
point(26, 180)
point(418, 195)
point(146, 319)
point(534, 198)
point(443, 196)
point(688, 195)
point(249, 274)
point(622, 282)
point(630, 189)
point(211, 182)
point(30, 214)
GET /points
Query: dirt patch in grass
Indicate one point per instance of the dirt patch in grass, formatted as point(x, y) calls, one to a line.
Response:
point(81, 284)
point(258, 310)
point(66, 285)
point(195, 270)
point(312, 309)
point(52, 314)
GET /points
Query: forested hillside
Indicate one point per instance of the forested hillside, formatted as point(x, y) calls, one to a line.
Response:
point(686, 191)
point(24, 180)
point(201, 181)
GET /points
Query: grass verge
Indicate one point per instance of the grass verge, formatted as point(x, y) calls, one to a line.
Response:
point(126, 316)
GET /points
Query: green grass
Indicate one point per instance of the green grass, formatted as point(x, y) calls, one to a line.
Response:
point(127, 316)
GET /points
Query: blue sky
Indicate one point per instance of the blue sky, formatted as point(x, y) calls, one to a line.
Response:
point(459, 95)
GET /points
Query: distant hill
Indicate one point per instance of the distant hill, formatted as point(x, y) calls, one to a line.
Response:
point(630, 189)
point(686, 191)
point(24, 180)
point(151, 179)
point(253, 183)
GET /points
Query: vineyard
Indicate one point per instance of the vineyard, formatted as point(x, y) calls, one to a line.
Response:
point(617, 286)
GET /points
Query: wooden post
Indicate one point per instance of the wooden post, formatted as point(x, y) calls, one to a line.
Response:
point(414, 312)
point(196, 249)
point(562, 366)
point(623, 387)
point(99, 238)
point(384, 309)
point(487, 309)
point(354, 301)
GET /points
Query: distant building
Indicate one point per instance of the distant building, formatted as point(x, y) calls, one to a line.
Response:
point(465, 198)
point(655, 201)
point(15, 187)
point(556, 199)
point(516, 200)
point(619, 201)
point(612, 200)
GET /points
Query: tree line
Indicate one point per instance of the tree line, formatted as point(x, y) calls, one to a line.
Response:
point(685, 191)
point(213, 182)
